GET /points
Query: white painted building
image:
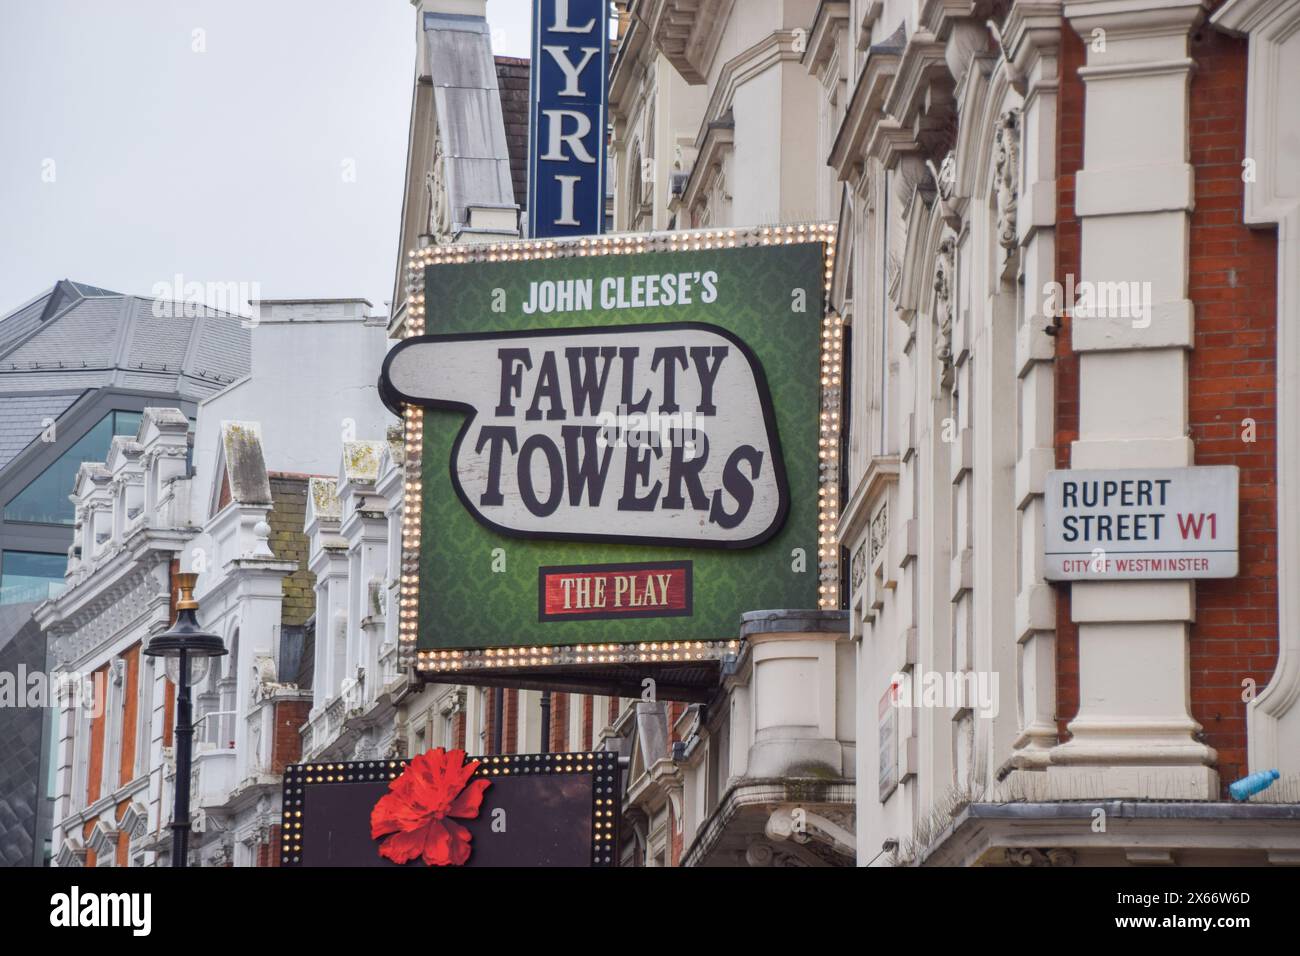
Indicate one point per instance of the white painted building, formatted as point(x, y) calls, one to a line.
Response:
point(225, 497)
point(971, 156)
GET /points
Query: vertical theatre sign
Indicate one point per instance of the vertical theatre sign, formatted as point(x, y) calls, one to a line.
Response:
point(566, 151)
point(614, 445)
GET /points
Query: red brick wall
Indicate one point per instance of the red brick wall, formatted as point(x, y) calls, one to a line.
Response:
point(588, 705)
point(1069, 152)
point(510, 739)
point(85, 840)
point(268, 854)
point(1232, 377)
point(559, 742)
point(123, 841)
point(225, 497)
point(286, 746)
point(95, 751)
point(130, 709)
point(490, 720)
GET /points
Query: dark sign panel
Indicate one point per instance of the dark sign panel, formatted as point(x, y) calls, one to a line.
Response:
point(566, 163)
point(536, 810)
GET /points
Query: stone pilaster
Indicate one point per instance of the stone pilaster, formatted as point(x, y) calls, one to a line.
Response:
point(1133, 735)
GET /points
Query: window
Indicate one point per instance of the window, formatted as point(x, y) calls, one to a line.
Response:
point(45, 500)
point(30, 576)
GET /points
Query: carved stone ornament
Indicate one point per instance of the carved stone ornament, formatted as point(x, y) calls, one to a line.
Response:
point(1006, 163)
point(944, 268)
point(879, 531)
point(947, 178)
point(1030, 856)
point(439, 224)
point(859, 567)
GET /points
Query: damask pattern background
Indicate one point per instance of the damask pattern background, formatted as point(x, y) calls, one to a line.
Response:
point(465, 603)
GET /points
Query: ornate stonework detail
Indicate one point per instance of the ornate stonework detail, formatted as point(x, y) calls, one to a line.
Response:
point(946, 180)
point(439, 224)
point(944, 272)
point(858, 571)
point(131, 599)
point(1006, 165)
point(153, 455)
point(1029, 856)
point(879, 531)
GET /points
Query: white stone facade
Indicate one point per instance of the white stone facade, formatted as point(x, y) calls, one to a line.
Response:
point(930, 133)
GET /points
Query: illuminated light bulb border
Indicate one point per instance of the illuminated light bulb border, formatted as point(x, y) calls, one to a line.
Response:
point(523, 250)
point(828, 443)
point(601, 764)
point(431, 663)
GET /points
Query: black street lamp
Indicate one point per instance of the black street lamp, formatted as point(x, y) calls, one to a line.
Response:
point(188, 651)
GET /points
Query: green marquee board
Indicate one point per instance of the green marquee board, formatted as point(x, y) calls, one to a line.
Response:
point(614, 448)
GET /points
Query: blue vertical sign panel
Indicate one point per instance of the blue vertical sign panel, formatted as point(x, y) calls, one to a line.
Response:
point(566, 129)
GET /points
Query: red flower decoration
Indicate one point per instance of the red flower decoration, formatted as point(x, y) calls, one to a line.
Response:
point(418, 808)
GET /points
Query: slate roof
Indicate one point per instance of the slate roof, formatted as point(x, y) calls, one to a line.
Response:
point(74, 337)
point(25, 416)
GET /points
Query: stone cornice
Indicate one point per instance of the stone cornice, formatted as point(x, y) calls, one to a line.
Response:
point(1030, 30)
point(717, 142)
point(107, 583)
point(829, 25)
point(687, 32)
point(937, 16)
point(627, 62)
point(1133, 19)
point(863, 114)
point(923, 82)
point(882, 472)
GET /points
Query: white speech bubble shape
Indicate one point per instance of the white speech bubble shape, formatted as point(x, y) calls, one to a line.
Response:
point(586, 434)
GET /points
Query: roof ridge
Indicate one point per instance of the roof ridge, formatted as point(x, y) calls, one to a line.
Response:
point(125, 339)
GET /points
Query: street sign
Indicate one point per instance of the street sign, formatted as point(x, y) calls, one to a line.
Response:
point(1141, 523)
point(566, 127)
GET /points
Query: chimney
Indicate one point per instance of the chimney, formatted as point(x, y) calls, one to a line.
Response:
point(273, 311)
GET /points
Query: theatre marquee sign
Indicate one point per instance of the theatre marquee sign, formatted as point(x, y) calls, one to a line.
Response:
point(611, 442)
point(1141, 523)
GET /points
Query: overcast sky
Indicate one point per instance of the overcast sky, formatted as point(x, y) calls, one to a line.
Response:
point(249, 141)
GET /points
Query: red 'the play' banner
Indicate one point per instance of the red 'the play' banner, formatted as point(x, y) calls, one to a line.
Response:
point(614, 590)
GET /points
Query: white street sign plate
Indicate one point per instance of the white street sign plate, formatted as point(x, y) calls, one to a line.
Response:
point(1141, 523)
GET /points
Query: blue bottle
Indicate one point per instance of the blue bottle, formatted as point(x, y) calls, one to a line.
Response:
point(1247, 787)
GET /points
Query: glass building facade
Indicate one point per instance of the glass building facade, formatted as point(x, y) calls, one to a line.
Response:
point(45, 500)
